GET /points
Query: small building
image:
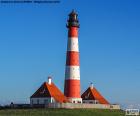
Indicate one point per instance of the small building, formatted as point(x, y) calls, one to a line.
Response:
point(92, 96)
point(47, 93)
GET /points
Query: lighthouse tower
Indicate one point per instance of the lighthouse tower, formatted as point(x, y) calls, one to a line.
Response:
point(72, 71)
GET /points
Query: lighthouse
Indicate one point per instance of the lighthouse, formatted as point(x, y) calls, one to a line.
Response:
point(72, 70)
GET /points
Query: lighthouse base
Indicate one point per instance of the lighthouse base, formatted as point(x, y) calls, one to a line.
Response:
point(75, 100)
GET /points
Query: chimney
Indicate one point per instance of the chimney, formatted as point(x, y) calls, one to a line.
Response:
point(91, 85)
point(49, 80)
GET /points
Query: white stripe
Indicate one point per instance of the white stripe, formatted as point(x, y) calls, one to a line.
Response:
point(72, 72)
point(73, 44)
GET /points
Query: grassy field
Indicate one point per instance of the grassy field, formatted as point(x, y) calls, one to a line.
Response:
point(60, 112)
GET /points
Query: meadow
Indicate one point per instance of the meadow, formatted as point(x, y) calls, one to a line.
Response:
point(60, 112)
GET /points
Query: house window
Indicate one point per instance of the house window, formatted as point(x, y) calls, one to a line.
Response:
point(45, 101)
point(79, 101)
point(37, 101)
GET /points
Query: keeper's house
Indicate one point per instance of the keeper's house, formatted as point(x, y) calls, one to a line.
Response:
point(92, 96)
point(47, 93)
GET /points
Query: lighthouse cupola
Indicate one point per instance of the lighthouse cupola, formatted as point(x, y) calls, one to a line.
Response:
point(73, 20)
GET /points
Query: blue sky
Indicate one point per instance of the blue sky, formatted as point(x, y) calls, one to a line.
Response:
point(33, 39)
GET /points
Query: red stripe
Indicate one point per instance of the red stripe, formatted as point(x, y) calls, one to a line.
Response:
point(72, 58)
point(73, 32)
point(72, 88)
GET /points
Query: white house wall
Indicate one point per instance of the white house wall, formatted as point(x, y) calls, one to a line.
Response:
point(42, 100)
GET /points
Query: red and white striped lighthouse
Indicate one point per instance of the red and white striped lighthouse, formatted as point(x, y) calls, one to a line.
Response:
point(72, 71)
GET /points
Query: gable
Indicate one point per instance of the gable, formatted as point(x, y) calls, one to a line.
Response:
point(87, 95)
point(42, 92)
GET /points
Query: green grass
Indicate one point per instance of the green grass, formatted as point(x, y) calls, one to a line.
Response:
point(60, 112)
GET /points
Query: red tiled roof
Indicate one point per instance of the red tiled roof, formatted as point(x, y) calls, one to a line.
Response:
point(93, 94)
point(50, 90)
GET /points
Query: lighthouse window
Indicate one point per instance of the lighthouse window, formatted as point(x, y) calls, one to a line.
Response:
point(72, 43)
point(75, 17)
